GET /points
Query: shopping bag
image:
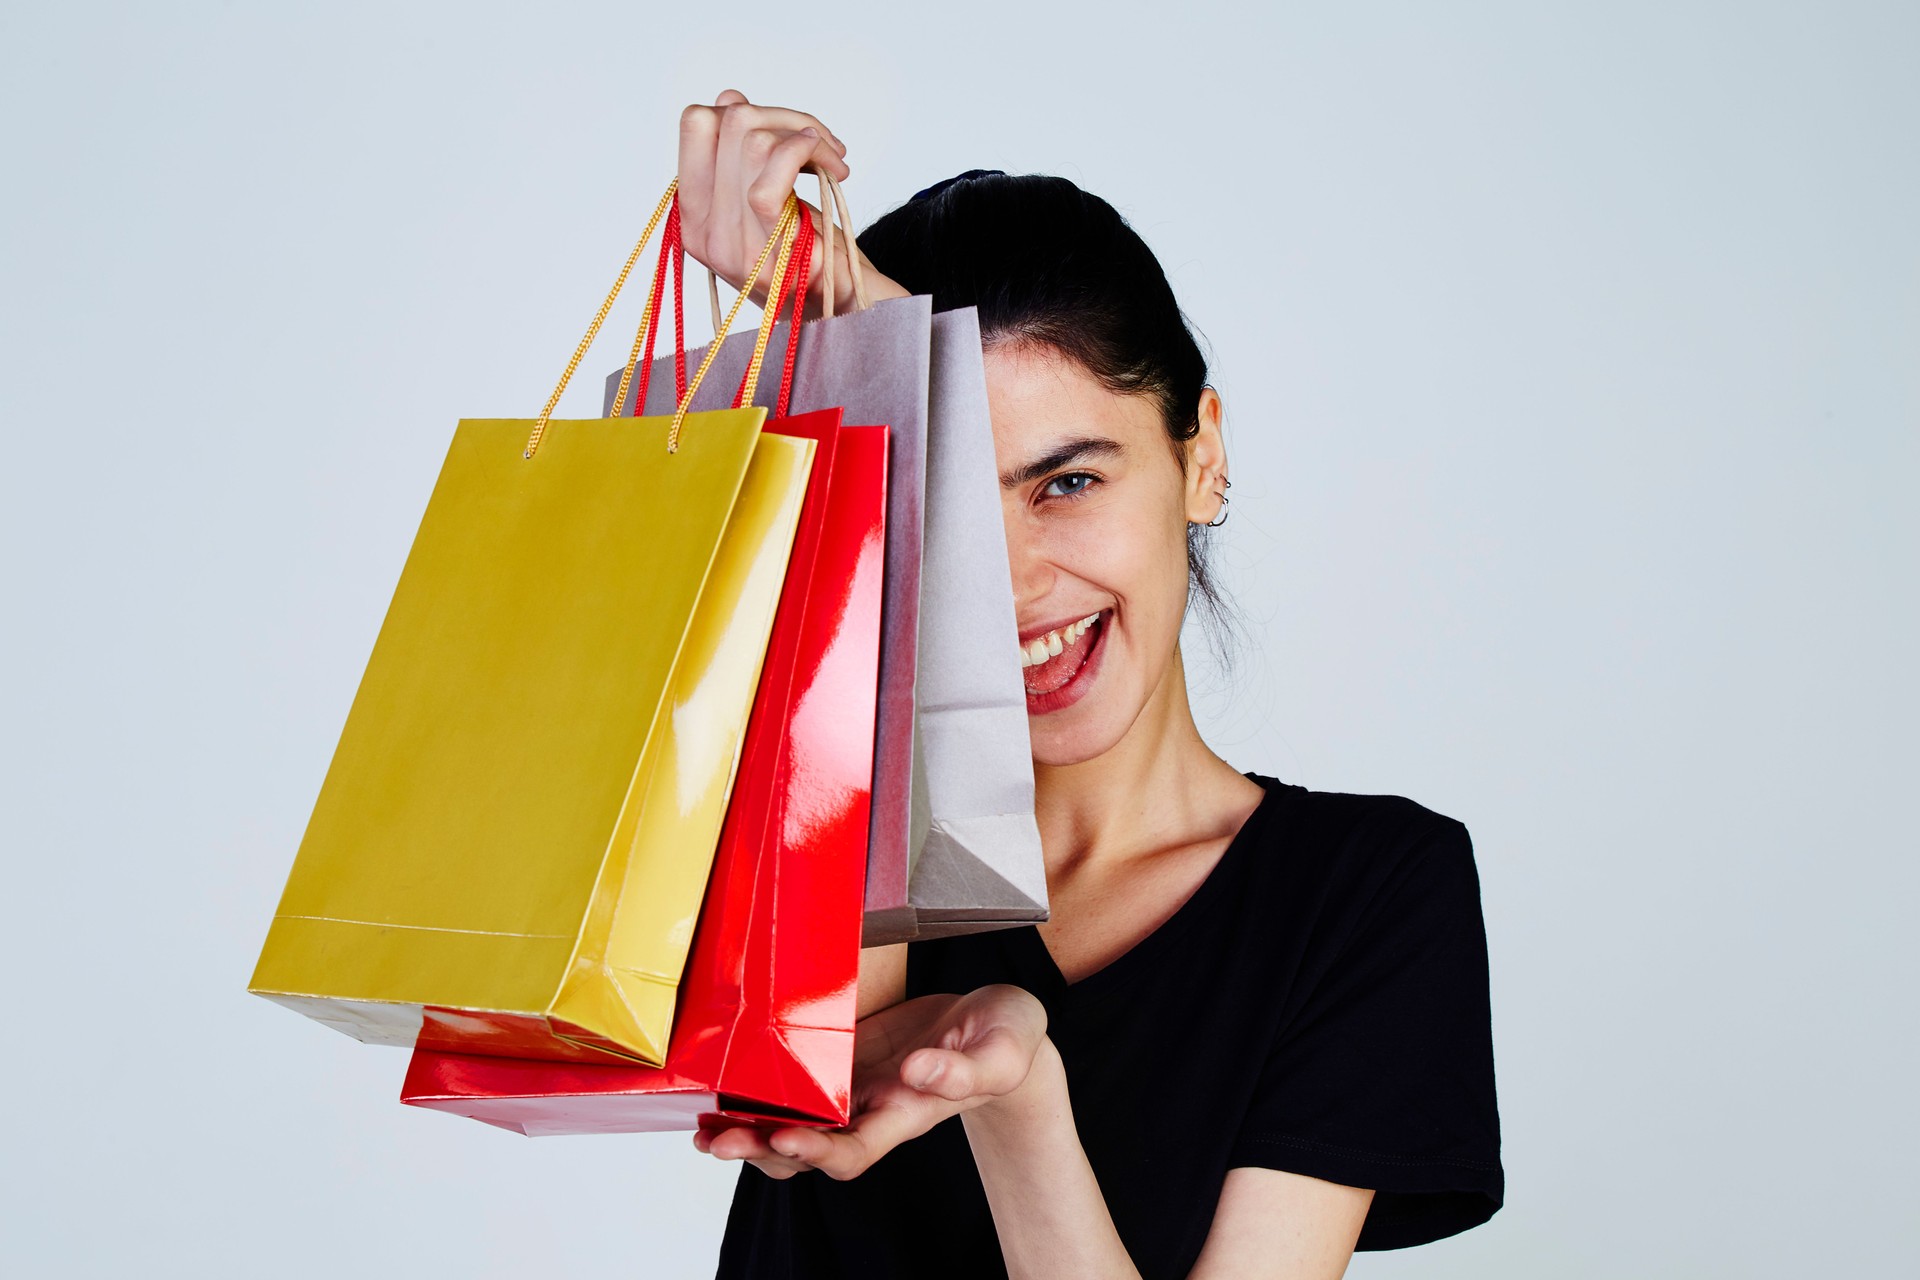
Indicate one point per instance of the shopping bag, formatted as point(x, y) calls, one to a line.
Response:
point(765, 1024)
point(514, 834)
point(765, 1030)
point(955, 848)
point(873, 363)
point(976, 859)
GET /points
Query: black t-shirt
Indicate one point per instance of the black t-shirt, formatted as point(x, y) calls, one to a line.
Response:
point(1318, 1005)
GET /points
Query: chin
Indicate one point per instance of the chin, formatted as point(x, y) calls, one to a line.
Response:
point(1087, 730)
point(1075, 722)
point(1058, 750)
point(1093, 713)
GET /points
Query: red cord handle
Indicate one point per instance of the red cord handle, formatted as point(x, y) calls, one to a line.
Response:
point(672, 248)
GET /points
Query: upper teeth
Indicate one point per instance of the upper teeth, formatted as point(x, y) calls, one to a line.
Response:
point(1051, 644)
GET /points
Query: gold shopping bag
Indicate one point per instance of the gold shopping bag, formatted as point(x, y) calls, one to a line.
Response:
point(512, 841)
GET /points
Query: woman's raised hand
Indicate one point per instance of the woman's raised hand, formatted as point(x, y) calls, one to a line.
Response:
point(738, 162)
point(915, 1064)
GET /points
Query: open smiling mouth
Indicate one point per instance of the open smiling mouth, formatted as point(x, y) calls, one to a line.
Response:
point(1054, 661)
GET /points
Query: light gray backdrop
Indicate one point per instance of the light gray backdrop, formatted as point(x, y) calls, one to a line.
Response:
point(1569, 353)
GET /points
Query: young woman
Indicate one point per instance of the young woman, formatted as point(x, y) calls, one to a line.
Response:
point(1254, 1034)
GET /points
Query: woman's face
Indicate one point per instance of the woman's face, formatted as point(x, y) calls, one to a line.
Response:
point(1096, 515)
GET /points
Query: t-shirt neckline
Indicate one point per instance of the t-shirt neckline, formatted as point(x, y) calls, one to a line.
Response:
point(1140, 957)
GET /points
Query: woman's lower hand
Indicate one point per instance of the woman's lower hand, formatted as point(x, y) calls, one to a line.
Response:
point(915, 1065)
point(738, 164)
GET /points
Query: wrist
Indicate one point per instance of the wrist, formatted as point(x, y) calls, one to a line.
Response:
point(879, 288)
point(1040, 1097)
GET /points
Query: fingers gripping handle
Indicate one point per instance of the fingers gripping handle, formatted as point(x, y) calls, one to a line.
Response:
point(831, 198)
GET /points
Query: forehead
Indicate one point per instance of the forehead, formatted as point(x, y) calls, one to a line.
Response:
point(1038, 397)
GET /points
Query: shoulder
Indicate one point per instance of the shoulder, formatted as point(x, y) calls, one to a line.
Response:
point(1364, 835)
point(1362, 856)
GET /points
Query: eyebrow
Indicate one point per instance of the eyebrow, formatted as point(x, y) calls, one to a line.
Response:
point(1067, 452)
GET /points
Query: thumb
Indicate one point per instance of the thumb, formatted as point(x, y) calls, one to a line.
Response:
point(992, 1065)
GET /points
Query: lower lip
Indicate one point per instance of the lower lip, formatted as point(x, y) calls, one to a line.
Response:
point(1039, 704)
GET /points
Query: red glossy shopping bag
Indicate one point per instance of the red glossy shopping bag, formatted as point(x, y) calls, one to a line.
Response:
point(765, 1025)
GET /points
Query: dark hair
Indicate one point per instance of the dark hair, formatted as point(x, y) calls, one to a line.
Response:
point(1049, 264)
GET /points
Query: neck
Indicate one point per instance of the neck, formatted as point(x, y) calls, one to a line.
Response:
point(1151, 789)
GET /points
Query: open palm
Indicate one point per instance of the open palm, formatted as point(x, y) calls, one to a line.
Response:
point(915, 1065)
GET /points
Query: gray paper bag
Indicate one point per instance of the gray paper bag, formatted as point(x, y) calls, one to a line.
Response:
point(976, 853)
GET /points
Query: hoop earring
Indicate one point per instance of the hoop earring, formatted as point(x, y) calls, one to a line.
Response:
point(1220, 519)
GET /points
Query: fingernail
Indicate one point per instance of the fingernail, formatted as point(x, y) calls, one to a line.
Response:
point(789, 1149)
point(811, 132)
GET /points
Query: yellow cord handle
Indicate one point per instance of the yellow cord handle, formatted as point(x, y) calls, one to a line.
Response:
point(580, 352)
point(790, 217)
point(783, 233)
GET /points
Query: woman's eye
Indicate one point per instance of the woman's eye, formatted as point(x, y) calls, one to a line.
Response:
point(1070, 485)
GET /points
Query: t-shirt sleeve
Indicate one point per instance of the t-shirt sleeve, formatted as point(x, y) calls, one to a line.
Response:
point(1381, 1074)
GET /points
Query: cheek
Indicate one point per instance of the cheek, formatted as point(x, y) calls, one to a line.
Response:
point(1151, 533)
point(1157, 556)
point(1133, 551)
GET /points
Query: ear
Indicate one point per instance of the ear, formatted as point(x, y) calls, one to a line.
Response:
point(1206, 478)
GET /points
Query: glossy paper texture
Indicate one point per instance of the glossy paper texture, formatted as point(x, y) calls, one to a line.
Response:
point(875, 364)
point(483, 811)
point(767, 1006)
